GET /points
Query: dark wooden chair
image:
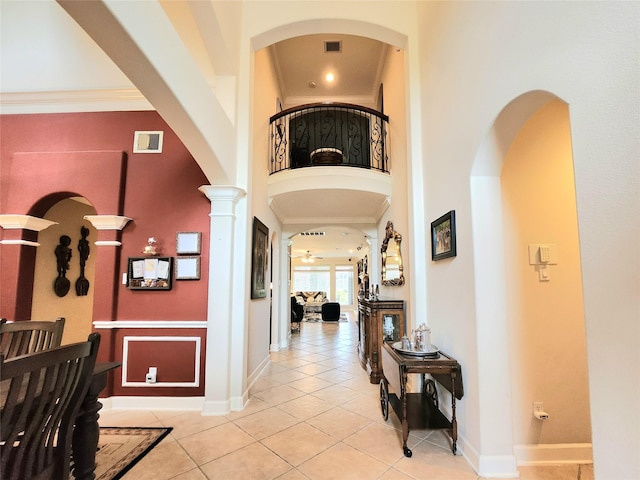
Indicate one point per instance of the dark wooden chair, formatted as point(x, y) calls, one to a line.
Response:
point(41, 394)
point(29, 336)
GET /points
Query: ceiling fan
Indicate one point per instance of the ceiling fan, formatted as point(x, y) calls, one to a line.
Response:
point(309, 258)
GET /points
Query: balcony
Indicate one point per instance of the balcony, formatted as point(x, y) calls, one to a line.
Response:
point(321, 134)
point(329, 164)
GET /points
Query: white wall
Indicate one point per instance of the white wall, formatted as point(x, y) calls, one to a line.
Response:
point(476, 58)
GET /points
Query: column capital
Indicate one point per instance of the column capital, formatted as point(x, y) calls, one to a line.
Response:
point(223, 198)
point(222, 192)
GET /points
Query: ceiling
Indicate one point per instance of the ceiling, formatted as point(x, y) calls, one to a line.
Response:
point(301, 65)
point(330, 241)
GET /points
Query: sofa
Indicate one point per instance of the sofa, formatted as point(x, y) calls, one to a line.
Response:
point(311, 301)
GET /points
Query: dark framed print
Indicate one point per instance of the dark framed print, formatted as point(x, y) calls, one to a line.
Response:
point(149, 273)
point(259, 252)
point(443, 236)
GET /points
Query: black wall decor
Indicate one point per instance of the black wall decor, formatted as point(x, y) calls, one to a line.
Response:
point(82, 284)
point(62, 284)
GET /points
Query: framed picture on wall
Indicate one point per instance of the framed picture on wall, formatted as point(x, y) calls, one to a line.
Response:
point(443, 236)
point(188, 243)
point(146, 273)
point(188, 268)
point(259, 252)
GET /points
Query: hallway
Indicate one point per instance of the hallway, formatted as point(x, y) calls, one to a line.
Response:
point(312, 415)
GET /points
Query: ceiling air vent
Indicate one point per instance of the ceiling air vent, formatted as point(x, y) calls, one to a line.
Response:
point(332, 47)
point(311, 234)
point(148, 142)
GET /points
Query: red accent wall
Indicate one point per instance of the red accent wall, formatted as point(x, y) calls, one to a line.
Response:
point(47, 157)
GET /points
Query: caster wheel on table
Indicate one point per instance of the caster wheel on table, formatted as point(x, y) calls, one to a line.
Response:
point(407, 452)
point(384, 399)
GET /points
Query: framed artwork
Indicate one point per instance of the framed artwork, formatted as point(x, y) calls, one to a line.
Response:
point(188, 268)
point(443, 236)
point(259, 252)
point(149, 273)
point(188, 243)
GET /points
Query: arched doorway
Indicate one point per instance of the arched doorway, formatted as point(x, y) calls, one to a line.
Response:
point(523, 194)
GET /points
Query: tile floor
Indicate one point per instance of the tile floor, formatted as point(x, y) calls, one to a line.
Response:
point(311, 415)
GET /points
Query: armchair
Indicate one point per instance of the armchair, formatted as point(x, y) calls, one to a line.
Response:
point(297, 313)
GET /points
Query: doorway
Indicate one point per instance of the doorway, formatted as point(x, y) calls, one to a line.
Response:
point(523, 193)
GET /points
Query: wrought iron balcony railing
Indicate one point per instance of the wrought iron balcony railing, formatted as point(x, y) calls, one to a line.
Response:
point(321, 134)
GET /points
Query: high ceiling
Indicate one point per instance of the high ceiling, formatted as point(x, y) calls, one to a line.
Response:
point(302, 63)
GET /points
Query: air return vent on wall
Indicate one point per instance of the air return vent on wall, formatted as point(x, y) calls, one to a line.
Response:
point(332, 47)
point(148, 142)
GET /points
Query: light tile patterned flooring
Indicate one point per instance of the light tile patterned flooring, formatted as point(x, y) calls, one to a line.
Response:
point(311, 415)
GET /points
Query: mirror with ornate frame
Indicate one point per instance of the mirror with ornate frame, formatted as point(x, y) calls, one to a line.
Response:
point(392, 270)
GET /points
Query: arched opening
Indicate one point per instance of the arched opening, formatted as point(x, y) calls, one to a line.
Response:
point(76, 305)
point(523, 197)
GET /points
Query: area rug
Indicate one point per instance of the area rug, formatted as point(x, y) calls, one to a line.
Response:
point(317, 318)
point(119, 449)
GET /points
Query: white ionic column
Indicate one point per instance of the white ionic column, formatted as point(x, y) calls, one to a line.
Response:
point(220, 312)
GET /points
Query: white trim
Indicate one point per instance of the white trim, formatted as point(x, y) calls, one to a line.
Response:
point(110, 325)
point(107, 243)
point(125, 361)
point(153, 403)
point(108, 222)
point(553, 453)
point(19, 242)
point(106, 100)
point(488, 466)
point(26, 222)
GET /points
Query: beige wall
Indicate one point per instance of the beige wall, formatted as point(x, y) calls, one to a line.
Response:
point(546, 318)
point(395, 106)
point(77, 311)
point(264, 105)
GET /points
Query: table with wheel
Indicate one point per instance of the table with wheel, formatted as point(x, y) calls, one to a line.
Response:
point(419, 410)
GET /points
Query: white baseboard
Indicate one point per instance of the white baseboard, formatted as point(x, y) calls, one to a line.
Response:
point(153, 403)
point(488, 466)
point(553, 453)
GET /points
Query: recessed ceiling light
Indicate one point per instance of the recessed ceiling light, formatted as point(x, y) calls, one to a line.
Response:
point(329, 77)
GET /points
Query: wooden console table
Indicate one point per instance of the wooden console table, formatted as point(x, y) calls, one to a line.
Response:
point(379, 320)
point(419, 410)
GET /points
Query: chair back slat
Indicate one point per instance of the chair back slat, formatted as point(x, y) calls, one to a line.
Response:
point(41, 395)
point(29, 336)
